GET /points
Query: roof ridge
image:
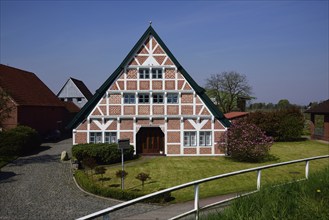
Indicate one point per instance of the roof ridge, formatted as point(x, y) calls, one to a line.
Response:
point(87, 108)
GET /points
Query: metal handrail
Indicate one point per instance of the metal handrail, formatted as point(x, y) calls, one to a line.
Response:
point(196, 183)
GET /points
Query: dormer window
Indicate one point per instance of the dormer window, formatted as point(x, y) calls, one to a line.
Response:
point(156, 73)
point(144, 73)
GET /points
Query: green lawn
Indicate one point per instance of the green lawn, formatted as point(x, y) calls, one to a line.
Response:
point(170, 171)
point(305, 200)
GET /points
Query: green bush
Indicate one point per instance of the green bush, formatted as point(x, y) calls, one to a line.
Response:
point(102, 153)
point(246, 142)
point(282, 125)
point(19, 141)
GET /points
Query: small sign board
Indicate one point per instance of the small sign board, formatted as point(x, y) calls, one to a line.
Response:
point(124, 144)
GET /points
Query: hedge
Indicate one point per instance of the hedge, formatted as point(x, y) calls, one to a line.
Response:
point(19, 141)
point(102, 153)
point(282, 125)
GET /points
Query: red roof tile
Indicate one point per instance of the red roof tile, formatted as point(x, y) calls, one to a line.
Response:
point(25, 88)
point(233, 115)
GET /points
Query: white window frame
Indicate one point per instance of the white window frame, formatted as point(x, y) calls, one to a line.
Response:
point(144, 73)
point(157, 73)
point(171, 97)
point(189, 138)
point(206, 136)
point(143, 97)
point(157, 97)
point(129, 98)
point(110, 137)
point(95, 137)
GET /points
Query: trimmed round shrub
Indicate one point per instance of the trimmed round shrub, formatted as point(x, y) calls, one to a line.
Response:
point(246, 142)
point(102, 153)
point(19, 140)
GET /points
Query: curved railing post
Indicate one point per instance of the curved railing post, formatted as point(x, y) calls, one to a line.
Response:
point(196, 201)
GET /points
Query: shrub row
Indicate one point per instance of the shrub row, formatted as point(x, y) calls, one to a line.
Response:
point(282, 125)
point(115, 193)
point(102, 153)
point(18, 141)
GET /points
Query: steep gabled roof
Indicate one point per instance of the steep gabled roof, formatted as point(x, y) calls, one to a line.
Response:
point(25, 88)
point(81, 86)
point(85, 111)
point(321, 109)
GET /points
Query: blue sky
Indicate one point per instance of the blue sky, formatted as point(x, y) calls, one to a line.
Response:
point(281, 46)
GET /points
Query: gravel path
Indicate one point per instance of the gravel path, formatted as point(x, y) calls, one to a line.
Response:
point(40, 186)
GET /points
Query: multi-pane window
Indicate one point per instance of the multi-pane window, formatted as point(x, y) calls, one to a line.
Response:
point(144, 73)
point(110, 137)
point(157, 73)
point(79, 100)
point(172, 98)
point(205, 138)
point(69, 99)
point(95, 137)
point(129, 98)
point(189, 138)
point(158, 98)
point(143, 98)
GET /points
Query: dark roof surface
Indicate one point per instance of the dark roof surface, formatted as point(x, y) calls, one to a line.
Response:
point(25, 88)
point(322, 108)
point(87, 108)
point(83, 88)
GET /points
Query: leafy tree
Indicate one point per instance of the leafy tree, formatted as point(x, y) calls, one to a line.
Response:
point(5, 106)
point(226, 87)
point(246, 142)
point(143, 177)
point(283, 104)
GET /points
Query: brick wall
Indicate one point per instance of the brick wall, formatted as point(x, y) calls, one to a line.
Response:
point(129, 110)
point(127, 124)
point(173, 137)
point(189, 150)
point(173, 124)
point(173, 149)
point(115, 99)
point(158, 109)
point(81, 137)
point(205, 150)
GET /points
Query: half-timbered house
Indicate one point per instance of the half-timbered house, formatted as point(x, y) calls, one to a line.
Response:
point(154, 102)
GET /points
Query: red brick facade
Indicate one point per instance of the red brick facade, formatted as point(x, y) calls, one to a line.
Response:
point(167, 101)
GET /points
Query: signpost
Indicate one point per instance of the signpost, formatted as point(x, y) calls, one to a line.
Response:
point(123, 144)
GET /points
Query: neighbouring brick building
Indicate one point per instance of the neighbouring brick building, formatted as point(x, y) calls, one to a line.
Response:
point(154, 102)
point(321, 133)
point(33, 103)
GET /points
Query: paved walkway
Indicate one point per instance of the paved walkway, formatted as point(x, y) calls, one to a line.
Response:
point(40, 186)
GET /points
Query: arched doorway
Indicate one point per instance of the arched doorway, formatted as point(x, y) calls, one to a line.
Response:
point(150, 140)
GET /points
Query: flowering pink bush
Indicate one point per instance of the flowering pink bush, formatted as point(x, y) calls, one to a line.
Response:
point(246, 142)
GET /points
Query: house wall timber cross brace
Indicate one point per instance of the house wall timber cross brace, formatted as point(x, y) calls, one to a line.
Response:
point(151, 100)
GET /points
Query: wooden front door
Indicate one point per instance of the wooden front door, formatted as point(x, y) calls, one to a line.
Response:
point(150, 140)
